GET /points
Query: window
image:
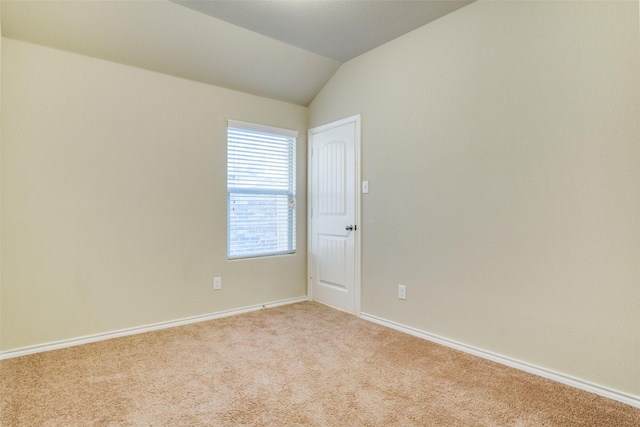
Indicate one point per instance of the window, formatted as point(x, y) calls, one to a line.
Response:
point(261, 190)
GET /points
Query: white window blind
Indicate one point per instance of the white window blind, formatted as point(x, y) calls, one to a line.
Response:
point(261, 184)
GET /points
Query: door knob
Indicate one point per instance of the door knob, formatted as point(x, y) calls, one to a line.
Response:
point(351, 227)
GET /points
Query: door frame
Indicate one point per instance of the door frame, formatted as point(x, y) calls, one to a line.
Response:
point(357, 119)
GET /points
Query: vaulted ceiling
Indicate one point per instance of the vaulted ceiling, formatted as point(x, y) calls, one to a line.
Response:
point(284, 50)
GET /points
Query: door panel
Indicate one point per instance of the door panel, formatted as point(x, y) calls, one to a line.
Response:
point(332, 261)
point(331, 179)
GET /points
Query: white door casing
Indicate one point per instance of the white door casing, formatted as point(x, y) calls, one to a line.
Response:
point(334, 208)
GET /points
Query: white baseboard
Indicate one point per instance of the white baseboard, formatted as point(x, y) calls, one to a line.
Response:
point(23, 351)
point(626, 398)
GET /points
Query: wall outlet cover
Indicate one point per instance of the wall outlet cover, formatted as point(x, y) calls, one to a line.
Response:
point(402, 292)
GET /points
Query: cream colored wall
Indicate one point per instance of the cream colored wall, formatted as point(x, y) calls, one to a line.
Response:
point(114, 198)
point(501, 143)
point(0, 175)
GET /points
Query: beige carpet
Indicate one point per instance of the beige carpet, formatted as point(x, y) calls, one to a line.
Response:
point(297, 365)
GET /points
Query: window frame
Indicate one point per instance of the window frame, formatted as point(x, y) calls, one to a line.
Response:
point(292, 135)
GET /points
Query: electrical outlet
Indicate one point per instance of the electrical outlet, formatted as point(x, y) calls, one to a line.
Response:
point(402, 292)
point(217, 283)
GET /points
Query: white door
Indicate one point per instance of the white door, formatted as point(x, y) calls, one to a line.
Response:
point(334, 209)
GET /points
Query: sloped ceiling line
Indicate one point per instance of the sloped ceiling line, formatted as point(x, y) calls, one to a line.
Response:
point(284, 50)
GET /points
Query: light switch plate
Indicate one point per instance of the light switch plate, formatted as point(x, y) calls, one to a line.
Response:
point(365, 187)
